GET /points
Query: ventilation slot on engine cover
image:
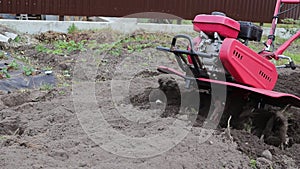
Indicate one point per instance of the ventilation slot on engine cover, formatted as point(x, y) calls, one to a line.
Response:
point(238, 55)
point(265, 76)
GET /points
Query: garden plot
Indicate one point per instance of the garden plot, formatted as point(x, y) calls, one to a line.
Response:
point(70, 124)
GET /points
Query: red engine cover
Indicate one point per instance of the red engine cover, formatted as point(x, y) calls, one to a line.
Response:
point(246, 66)
point(209, 24)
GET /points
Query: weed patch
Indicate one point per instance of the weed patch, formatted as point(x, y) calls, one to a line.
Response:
point(27, 70)
point(62, 47)
point(46, 87)
point(133, 43)
point(73, 29)
point(4, 73)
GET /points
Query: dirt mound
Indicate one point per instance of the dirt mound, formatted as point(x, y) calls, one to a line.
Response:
point(294, 126)
point(15, 99)
point(170, 95)
point(249, 144)
point(147, 73)
point(295, 153)
point(254, 148)
point(11, 126)
point(51, 36)
point(289, 83)
point(103, 36)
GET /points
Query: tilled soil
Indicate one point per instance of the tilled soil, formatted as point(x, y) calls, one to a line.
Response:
point(44, 132)
point(98, 122)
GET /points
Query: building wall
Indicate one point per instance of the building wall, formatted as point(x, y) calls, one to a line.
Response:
point(250, 10)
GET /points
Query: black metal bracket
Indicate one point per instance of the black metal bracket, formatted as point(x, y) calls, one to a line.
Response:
point(194, 55)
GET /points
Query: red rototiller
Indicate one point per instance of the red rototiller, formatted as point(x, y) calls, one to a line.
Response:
point(222, 49)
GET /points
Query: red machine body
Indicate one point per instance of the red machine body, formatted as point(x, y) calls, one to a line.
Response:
point(233, 81)
point(209, 24)
point(282, 98)
point(246, 66)
point(223, 42)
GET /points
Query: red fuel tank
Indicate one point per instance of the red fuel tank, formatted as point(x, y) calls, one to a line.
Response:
point(224, 26)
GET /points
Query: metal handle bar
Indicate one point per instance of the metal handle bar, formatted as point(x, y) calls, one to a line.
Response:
point(180, 51)
point(291, 63)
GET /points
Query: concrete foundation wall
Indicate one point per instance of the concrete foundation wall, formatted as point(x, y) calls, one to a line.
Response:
point(121, 25)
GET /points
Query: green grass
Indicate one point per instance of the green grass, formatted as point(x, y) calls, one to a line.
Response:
point(187, 22)
point(2, 137)
point(46, 87)
point(4, 73)
point(2, 55)
point(13, 65)
point(62, 47)
point(73, 29)
point(294, 56)
point(28, 70)
point(18, 39)
point(253, 164)
point(293, 50)
point(131, 43)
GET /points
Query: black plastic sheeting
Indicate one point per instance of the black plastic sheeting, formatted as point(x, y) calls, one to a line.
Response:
point(18, 80)
point(26, 82)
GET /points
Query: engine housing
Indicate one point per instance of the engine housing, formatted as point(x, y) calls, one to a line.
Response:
point(246, 66)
